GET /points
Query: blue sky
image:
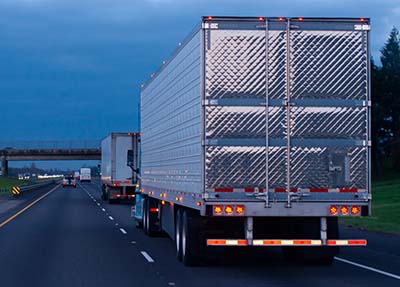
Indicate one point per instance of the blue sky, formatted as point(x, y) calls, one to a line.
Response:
point(71, 69)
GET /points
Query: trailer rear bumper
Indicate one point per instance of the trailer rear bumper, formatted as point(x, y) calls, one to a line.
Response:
point(286, 242)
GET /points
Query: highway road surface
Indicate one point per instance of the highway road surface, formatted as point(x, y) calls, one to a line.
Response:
point(69, 237)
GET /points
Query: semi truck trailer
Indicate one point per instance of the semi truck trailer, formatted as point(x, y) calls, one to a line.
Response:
point(256, 133)
point(119, 166)
point(85, 174)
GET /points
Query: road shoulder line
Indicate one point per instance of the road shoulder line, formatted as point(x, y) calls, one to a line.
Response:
point(368, 268)
point(28, 206)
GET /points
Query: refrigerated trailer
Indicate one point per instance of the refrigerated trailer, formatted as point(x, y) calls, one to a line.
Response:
point(119, 166)
point(85, 174)
point(257, 133)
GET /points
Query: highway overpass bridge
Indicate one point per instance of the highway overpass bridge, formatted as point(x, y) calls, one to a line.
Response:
point(48, 150)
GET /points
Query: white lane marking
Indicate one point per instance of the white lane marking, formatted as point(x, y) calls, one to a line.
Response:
point(147, 256)
point(116, 224)
point(123, 231)
point(98, 204)
point(111, 218)
point(103, 210)
point(368, 268)
point(133, 242)
point(171, 283)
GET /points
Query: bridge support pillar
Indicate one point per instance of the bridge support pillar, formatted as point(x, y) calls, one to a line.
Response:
point(4, 166)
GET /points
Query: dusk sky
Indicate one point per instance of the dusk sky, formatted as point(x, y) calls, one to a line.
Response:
point(72, 69)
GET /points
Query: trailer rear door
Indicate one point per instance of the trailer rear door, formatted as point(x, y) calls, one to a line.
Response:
point(286, 108)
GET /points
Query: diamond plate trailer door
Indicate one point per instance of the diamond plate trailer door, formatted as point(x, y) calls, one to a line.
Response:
point(235, 92)
point(327, 105)
point(267, 80)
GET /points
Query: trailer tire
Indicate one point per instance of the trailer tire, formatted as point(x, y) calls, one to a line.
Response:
point(149, 225)
point(190, 242)
point(145, 217)
point(178, 235)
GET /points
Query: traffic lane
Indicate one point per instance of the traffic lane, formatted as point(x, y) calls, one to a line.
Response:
point(64, 240)
point(243, 267)
point(382, 250)
point(10, 205)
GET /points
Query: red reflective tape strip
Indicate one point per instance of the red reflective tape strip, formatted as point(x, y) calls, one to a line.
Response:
point(249, 190)
point(354, 242)
point(223, 189)
point(293, 189)
point(223, 242)
point(318, 190)
point(302, 242)
point(348, 190)
point(272, 242)
point(357, 242)
point(280, 190)
point(215, 242)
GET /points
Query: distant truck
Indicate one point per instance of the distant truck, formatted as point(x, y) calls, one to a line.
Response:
point(76, 175)
point(119, 166)
point(257, 133)
point(85, 175)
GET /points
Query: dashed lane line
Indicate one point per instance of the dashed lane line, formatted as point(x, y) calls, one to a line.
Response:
point(147, 256)
point(123, 231)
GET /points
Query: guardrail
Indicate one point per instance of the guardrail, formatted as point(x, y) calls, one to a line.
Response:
point(17, 191)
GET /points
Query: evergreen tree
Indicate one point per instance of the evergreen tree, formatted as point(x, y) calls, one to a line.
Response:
point(390, 53)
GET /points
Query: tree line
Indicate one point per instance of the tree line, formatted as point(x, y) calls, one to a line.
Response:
point(385, 94)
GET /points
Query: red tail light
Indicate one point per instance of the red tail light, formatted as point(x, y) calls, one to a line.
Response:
point(239, 209)
point(344, 210)
point(153, 209)
point(228, 209)
point(333, 210)
point(355, 210)
point(217, 209)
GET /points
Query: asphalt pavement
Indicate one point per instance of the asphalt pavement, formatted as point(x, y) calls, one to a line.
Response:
point(72, 238)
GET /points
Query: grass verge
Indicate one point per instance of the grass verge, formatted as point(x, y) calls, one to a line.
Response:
point(385, 209)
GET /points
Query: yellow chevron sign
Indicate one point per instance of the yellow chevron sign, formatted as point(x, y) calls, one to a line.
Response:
point(16, 190)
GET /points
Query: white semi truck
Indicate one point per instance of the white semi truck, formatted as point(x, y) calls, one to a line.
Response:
point(257, 133)
point(85, 174)
point(119, 166)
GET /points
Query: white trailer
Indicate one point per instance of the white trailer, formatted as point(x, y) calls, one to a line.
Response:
point(257, 133)
point(119, 166)
point(85, 174)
